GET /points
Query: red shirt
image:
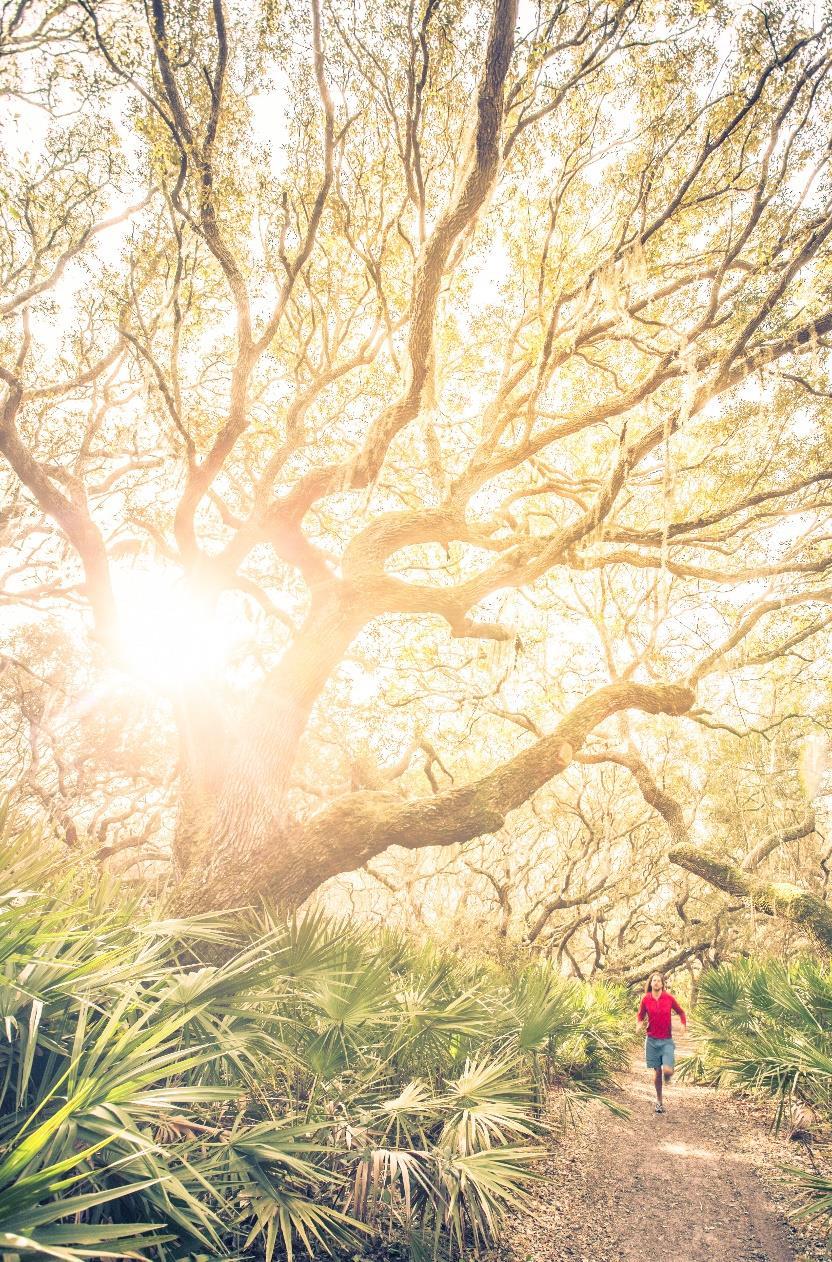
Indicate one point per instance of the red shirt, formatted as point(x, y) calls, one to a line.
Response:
point(658, 1013)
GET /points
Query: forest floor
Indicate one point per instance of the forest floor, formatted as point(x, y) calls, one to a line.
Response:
point(700, 1183)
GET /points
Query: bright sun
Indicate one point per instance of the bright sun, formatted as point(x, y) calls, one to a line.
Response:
point(168, 636)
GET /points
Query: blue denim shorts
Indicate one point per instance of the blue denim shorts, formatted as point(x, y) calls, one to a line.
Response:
point(659, 1052)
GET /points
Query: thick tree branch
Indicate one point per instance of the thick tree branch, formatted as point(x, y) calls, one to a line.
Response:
point(361, 825)
point(71, 513)
point(771, 843)
point(778, 898)
point(664, 964)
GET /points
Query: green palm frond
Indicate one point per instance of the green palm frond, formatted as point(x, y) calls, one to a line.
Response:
point(543, 1007)
point(488, 1105)
point(283, 1214)
point(32, 1208)
point(315, 1082)
point(815, 1190)
point(408, 1116)
point(765, 1026)
point(476, 1189)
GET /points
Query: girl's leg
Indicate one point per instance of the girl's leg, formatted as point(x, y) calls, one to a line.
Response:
point(657, 1079)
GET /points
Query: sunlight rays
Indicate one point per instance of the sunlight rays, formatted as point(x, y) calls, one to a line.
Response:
point(169, 636)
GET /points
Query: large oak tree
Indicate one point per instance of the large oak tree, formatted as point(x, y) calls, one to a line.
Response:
point(383, 327)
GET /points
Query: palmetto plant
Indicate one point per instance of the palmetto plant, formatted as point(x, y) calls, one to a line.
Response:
point(572, 1035)
point(314, 1084)
point(766, 1027)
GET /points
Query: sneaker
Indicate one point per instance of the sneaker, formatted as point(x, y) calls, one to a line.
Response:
point(659, 1108)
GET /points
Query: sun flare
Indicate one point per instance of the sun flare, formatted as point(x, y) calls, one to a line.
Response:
point(169, 636)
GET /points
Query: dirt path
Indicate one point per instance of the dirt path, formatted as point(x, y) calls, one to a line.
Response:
point(693, 1173)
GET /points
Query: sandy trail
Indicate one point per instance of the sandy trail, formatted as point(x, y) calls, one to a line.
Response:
point(683, 1185)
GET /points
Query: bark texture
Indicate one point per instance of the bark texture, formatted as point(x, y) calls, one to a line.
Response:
point(775, 897)
point(360, 825)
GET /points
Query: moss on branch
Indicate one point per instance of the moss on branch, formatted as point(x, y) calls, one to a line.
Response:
point(778, 898)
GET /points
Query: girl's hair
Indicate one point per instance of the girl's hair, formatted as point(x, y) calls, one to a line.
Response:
point(656, 974)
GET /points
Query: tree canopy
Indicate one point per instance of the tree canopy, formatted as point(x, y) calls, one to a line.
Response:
point(415, 427)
